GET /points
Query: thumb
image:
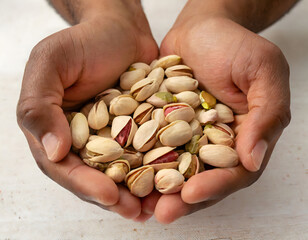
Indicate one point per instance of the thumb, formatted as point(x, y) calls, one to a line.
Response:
point(39, 112)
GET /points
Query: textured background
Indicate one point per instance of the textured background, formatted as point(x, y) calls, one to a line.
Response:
point(34, 207)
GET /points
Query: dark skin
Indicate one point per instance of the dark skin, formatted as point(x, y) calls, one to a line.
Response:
point(242, 69)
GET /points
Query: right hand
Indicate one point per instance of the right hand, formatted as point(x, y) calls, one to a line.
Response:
point(65, 70)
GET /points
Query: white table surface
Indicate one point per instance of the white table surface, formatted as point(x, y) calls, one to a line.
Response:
point(34, 207)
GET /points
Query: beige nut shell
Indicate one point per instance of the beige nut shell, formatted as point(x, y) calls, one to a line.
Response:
point(185, 112)
point(145, 136)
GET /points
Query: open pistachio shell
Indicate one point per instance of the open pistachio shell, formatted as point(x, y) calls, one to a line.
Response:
point(108, 95)
point(140, 181)
point(155, 154)
point(157, 74)
point(123, 105)
point(220, 133)
point(145, 136)
point(97, 165)
point(178, 70)
point(143, 113)
point(208, 101)
point(225, 114)
point(178, 111)
point(188, 164)
point(144, 89)
point(123, 130)
point(86, 109)
point(167, 61)
point(219, 155)
point(159, 116)
point(168, 181)
point(79, 130)
point(206, 116)
point(140, 65)
point(175, 134)
point(133, 157)
point(196, 142)
point(117, 170)
point(128, 79)
point(103, 150)
point(98, 116)
point(196, 127)
point(188, 97)
point(181, 84)
point(160, 99)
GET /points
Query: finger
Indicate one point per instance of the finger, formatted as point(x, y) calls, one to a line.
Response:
point(149, 202)
point(143, 217)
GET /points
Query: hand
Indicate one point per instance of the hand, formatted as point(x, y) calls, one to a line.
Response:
point(245, 72)
point(65, 70)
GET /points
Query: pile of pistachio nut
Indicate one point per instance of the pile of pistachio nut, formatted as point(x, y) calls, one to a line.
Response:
point(156, 129)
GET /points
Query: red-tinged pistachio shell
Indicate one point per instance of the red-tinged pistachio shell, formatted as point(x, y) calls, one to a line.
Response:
point(220, 133)
point(219, 155)
point(159, 116)
point(123, 130)
point(160, 99)
point(175, 134)
point(145, 137)
point(104, 132)
point(143, 113)
point(196, 127)
point(108, 95)
point(178, 111)
point(133, 157)
point(160, 155)
point(225, 114)
point(181, 84)
point(188, 164)
point(140, 181)
point(178, 70)
point(208, 101)
point(128, 79)
point(117, 170)
point(79, 130)
point(123, 105)
point(86, 109)
point(206, 116)
point(188, 97)
point(98, 116)
point(167, 61)
point(168, 181)
point(140, 65)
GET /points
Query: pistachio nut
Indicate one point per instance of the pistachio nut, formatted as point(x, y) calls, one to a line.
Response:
point(196, 142)
point(188, 97)
point(208, 101)
point(169, 181)
point(220, 133)
point(117, 170)
point(219, 155)
point(140, 181)
point(128, 79)
point(196, 127)
point(143, 113)
point(178, 70)
point(145, 136)
point(97, 165)
point(123, 105)
point(104, 132)
point(181, 84)
point(98, 116)
point(123, 130)
point(108, 95)
point(160, 99)
point(188, 164)
point(206, 116)
point(175, 134)
point(225, 114)
point(161, 158)
point(144, 89)
point(163, 88)
point(79, 130)
point(157, 74)
point(103, 150)
point(133, 157)
point(178, 111)
point(167, 61)
point(86, 109)
point(140, 65)
point(159, 116)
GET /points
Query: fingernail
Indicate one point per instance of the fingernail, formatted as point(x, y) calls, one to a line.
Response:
point(258, 153)
point(51, 145)
point(147, 211)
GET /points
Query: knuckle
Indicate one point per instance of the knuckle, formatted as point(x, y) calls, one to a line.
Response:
point(27, 111)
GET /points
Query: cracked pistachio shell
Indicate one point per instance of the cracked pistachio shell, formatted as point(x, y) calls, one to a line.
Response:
point(108, 95)
point(145, 136)
point(169, 181)
point(117, 170)
point(179, 111)
point(99, 166)
point(196, 127)
point(188, 164)
point(118, 125)
point(143, 113)
point(98, 116)
point(225, 114)
point(160, 99)
point(196, 142)
point(188, 97)
point(103, 150)
point(208, 101)
point(167, 61)
point(159, 116)
point(157, 74)
point(133, 157)
point(219, 155)
point(140, 65)
point(206, 116)
point(220, 133)
point(163, 88)
point(123, 105)
point(179, 70)
point(104, 132)
point(144, 89)
point(140, 181)
point(175, 134)
point(129, 78)
point(79, 130)
point(86, 109)
point(181, 84)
